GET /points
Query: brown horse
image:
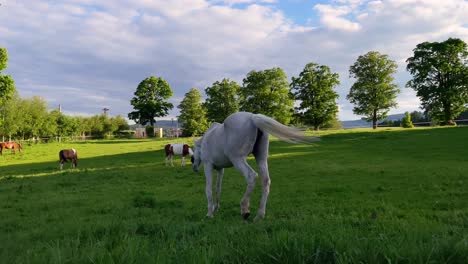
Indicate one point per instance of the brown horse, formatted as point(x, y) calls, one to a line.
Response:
point(10, 145)
point(68, 154)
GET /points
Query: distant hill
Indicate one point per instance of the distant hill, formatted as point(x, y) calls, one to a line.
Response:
point(364, 123)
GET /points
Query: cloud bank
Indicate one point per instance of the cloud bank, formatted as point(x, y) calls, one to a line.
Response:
point(87, 55)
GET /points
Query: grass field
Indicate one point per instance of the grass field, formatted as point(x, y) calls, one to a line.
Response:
point(357, 196)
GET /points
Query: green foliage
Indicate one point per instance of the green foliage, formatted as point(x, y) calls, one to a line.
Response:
point(314, 88)
point(333, 123)
point(3, 59)
point(7, 84)
point(417, 116)
point(149, 131)
point(440, 78)
point(266, 92)
point(374, 92)
point(192, 114)
point(122, 204)
point(222, 100)
point(119, 123)
point(150, 100)
point(406, 121)
point(11, 116)
point(390, 123)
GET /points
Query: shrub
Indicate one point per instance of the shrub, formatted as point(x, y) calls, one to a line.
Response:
point(406, 121)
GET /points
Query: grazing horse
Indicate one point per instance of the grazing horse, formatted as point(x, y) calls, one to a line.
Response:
point(228, 144)
point(177, 149)
point(68, 155)
point(10, 145)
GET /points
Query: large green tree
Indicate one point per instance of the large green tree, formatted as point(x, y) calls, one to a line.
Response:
point(374, 92)
point(192, 114)
point(11, 117)
point(440, 78)
point(314, 88)
point(7, 85)
point(150, 100)
point(222, 100)
point(267, 92)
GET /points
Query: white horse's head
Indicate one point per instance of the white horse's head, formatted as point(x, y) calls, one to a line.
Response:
point(196, 157)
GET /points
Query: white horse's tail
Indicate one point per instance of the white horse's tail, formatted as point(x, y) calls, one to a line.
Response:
point(282, 132)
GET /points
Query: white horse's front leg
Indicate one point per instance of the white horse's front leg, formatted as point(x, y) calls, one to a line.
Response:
point(208, 167)
point(182, 162)
point(218, 188)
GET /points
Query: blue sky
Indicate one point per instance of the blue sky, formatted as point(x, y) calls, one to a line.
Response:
point(90, 54)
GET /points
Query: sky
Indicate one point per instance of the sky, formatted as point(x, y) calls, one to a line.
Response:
point(89, 54)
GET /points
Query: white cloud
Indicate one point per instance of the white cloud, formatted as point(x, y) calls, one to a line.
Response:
point(332, 17)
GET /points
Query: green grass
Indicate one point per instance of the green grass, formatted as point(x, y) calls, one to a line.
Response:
point(357, 196)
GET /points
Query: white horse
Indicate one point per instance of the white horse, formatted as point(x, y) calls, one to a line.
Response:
point(229, 144)
point(177, 149)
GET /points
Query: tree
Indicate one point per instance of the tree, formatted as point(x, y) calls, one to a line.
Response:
point(417, 116)
point(222, 100)
point(314, 88)
point(192, 114)
point(7, 85)
point(406, 121)
point(119, 123)
point(11, 116)
point(440, 78)
point(374, 92)
point(150, 100)
point(34, 115)
point(266, 92)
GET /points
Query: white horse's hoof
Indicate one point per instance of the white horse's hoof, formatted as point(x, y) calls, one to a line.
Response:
point(246, 215)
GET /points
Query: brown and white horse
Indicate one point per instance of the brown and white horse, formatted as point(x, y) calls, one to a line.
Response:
point(10, 145)
point(177, 149)
point(68, 155)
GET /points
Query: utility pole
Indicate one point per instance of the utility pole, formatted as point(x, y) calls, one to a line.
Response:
point(105, 110)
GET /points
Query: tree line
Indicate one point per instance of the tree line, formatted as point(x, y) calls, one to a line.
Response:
point(440, 79)
point(26, 118)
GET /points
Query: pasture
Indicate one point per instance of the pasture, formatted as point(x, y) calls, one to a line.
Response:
point(389, 196)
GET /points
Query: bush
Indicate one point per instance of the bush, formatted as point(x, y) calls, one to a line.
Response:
point(406, 121)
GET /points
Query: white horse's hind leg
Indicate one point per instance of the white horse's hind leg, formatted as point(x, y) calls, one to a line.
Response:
point(265, 179)
point(250, 176)
point(209, 186)
point(219, 182)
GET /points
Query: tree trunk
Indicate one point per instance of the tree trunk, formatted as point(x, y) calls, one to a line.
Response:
point(447, 115)
point(374, 119)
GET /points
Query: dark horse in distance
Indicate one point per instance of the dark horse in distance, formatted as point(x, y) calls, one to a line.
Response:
point(10, 145)
point(68, 155)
